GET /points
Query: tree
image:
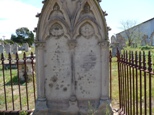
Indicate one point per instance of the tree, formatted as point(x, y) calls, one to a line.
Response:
point(23, 35)
point(132, 32)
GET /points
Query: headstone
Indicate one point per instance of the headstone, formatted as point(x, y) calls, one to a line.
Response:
point(1, 49)
point(7, 48)
point(26, 47)
point(113, 39)
point(145, 40)
point(152, 39)
point(121, 40)
point(117, 42)
point(72, 58)
point(15, 48)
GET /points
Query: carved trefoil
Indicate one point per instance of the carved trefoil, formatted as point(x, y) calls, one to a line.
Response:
point(74, 58)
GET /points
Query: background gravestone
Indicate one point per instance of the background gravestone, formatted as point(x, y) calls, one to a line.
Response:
point(72, 58)
point(26, 47)
point(7, 48)
point(14, 48)
point(1, 49)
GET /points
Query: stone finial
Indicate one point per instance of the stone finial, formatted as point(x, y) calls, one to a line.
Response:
point(105, 13)
point(35, 29)
point(38, 14)
point(108, 28)
point(99, 0)
point(43, 1)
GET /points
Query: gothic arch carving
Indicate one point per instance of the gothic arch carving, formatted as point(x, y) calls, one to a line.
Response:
point(89, 24)
point(56, 29)
point(56, 12)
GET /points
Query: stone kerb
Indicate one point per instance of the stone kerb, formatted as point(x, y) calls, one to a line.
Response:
point(72, 61)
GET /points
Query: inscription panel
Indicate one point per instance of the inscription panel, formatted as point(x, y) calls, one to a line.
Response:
point(57, 66)
point(87, 65)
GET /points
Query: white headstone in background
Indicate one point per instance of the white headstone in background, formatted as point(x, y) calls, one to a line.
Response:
point(26, 47)
point(14, 48)
point(7, 48)
point(1, 49)
point(72, 53)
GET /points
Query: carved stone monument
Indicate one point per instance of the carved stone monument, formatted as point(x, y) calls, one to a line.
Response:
point(72, 59)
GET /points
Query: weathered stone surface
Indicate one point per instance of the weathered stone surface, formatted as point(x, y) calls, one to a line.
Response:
point(72, 58)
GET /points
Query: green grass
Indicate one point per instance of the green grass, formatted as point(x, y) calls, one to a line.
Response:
point(9, 87)
point(115, 90)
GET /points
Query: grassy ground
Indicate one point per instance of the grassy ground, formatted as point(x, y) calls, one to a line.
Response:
point(12, 86)
point(115, 90)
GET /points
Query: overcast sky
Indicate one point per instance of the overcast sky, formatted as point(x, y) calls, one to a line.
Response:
point(21, 13)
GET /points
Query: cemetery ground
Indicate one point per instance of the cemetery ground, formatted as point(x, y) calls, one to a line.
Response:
point(11, 83)
point(115, 90)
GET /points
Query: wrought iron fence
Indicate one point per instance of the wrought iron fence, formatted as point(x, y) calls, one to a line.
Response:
point(136, 88)
point(17, 83)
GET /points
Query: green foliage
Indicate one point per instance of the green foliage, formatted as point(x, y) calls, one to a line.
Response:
point(8, 41)
point(23, 35)
point(23, 113)
point(146, 47)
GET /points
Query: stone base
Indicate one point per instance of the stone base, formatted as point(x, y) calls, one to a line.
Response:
point(103, 109)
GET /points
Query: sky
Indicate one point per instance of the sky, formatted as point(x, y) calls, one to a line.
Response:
point(21, 13)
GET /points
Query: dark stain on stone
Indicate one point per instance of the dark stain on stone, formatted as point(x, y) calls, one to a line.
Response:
point(50, 85)
point(62, 81)
point(61, 86)
point(89, 61)
point(54, 79)
point(64, 89)
point(68, 85)
point(57, 88)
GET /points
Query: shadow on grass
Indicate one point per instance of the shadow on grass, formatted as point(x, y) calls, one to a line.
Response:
point(15, 81)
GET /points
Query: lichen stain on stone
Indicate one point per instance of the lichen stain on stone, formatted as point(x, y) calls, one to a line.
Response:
point(61, 86)
point(45, 65)
point(64, 89)
point(54, 79)
point(50, 85)
point(89, 61)
point(57, 88)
